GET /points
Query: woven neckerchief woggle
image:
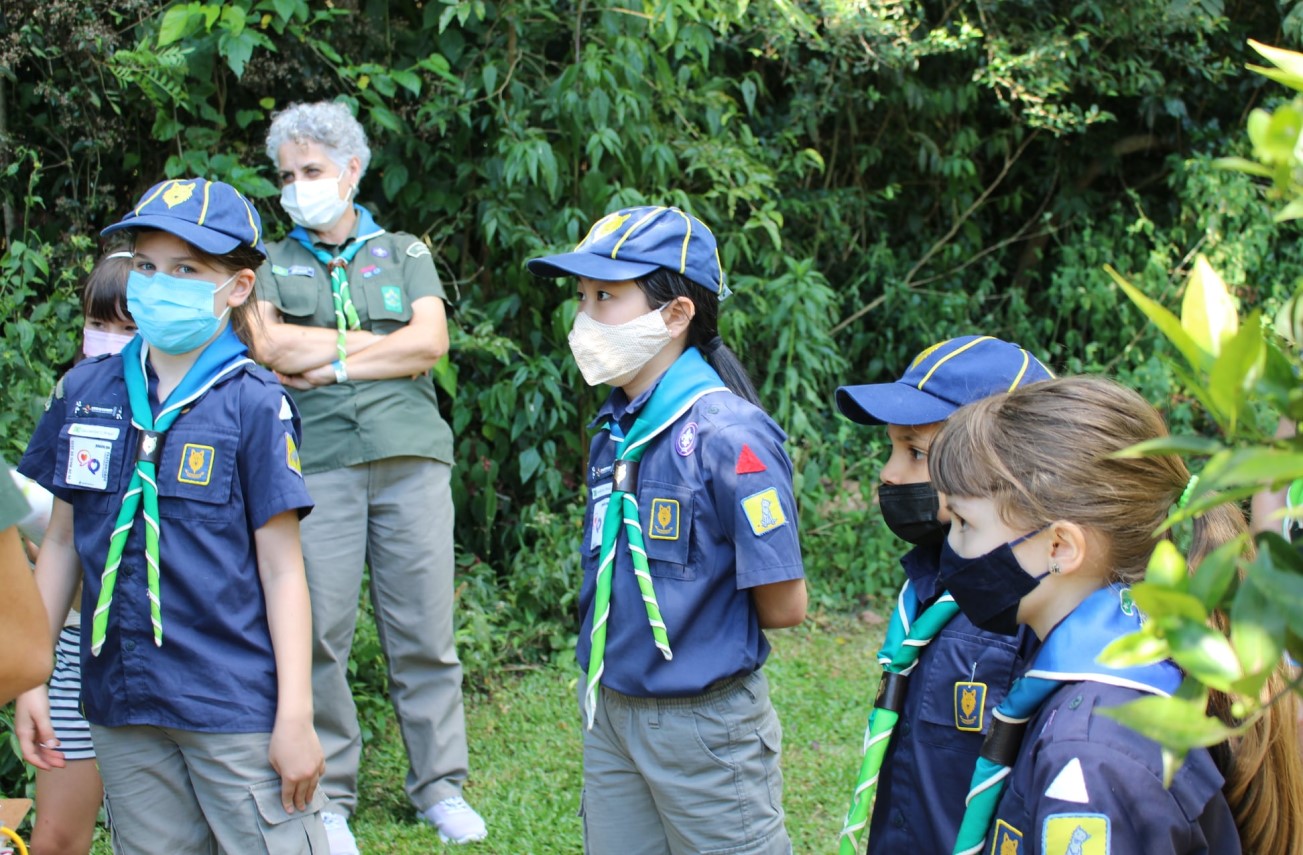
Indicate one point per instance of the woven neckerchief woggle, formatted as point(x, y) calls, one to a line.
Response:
point(224, 354)
point(683, 384)
point(341, 296)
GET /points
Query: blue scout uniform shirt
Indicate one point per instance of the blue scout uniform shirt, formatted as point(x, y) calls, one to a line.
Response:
point(1085, 784)
point(229, 464)
point(925, 774)
point(718, 518)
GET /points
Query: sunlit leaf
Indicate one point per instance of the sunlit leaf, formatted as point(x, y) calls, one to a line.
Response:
point(1172, 445)
point(1167, 323)
point(1204, 653)
point(1176, 723)
point(1207, 311)
point(1215, 573)
point(1166, 567)
point(1136, 648)
point(1161, 603)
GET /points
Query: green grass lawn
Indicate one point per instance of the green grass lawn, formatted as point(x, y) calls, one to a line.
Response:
point(526, 750)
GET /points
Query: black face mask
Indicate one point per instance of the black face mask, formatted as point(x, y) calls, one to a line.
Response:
point(910, 511)
point(989, 587)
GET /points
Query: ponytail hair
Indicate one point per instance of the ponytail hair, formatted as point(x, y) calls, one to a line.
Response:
point(661, 286)
point(1046, 452)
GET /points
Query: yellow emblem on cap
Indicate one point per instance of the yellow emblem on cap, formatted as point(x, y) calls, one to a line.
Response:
point(764, 511)
point(196, 464)
point(292, 455)
point(603, 227)
point(1076, 834)
point(178, 193)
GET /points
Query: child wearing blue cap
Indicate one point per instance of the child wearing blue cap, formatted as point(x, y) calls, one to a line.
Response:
point(174, 467)
point(689, 551)
point(943, 671)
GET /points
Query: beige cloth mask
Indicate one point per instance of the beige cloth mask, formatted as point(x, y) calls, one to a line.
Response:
point(615, 353)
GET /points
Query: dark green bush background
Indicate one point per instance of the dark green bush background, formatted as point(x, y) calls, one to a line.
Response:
point(880, 175)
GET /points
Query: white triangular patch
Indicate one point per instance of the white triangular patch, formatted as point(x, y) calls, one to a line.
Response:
point(286, 412)
point(1070, 785)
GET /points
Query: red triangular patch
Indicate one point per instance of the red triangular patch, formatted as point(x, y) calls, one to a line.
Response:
point(747, 462)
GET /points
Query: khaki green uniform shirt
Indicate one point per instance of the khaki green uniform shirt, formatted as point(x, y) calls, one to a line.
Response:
point(345, 424)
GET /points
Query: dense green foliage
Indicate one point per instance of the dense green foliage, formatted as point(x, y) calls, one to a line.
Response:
point(881, 174)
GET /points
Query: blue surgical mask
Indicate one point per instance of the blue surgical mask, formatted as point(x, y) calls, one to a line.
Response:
point(172, 314)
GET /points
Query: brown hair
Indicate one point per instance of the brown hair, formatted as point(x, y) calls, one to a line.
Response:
point(244, 317)
point(1045, 453)
point(104, 296)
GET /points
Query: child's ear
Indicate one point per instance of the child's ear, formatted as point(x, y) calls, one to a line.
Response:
point(678, 316)
point(241, 288)
point(1069, 546)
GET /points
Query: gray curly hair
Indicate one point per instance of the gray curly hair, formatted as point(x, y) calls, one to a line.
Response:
point(327, 123)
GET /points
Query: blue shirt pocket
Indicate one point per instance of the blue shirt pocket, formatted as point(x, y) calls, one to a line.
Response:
point(195, 474)
point(964, 674)
point(90, 458)
point(298, 296)
point(665, 511)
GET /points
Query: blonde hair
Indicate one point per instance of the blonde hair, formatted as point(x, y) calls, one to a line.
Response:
point(1045, 453)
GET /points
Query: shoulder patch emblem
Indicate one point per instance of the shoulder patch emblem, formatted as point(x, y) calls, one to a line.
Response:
point(970, 701)
point(287, 412)
point(664, 519)
point(196, 464)
point(764, 511)
point(417, 249)
point(747, 462)
point(1076, 834)
point(1006, 840)
point(687, 441)
point(292, 456)
point(1070, 784)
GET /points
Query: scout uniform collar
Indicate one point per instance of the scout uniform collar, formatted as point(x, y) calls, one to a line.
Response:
point(1068, 655)
point(225, 354)
point(336, 260)
point(685, 382)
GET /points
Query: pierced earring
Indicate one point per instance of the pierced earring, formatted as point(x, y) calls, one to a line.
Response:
point(1055, 569)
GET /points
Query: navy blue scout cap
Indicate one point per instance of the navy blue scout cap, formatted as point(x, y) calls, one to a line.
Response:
point(941, 379)
point(210, 215)
point(633, 242)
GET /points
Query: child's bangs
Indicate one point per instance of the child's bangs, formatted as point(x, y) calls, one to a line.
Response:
point(963, 461)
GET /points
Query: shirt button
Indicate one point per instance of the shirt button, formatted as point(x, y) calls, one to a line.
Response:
point(126, 572)
point(898, 820)
point(129, 645)
point(904, 728)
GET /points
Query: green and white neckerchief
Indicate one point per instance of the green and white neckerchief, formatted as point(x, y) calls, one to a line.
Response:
point(907, 634)
point(341, 296)
point(688, 380)
point(225, 354)
point(1067, 656)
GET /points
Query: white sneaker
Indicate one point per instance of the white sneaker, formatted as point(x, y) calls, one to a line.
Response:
point(338, 835)
point(456, 821)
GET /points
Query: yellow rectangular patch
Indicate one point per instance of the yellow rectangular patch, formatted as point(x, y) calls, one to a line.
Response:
point(1078, 833)
point(1006, 840)
point(664, 519)
point(970, 701)
point(764, 511)
point(292, 455)
point(196, 464)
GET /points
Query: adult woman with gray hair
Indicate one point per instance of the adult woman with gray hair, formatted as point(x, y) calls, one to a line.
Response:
point(353, 320)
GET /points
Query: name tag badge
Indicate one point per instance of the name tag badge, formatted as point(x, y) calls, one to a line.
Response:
point(599, 520)
point(88, 463)
point(601, 491)
point(95, 431)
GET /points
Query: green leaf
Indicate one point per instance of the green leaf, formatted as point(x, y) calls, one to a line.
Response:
point(175, 24)
point(1167, 323)
point(1205, 654)
point(1257, 628)
point(1240, 164)
point(1163, 446)
point(1215, 573)
point(1292, 211)
point(1207, 310)
point(1167, 567)
point(1162, 603)
point(530, 460)
point(1237, 368)
point(1286, 60)
point(409, 80)
point(1136, 648)
point(1176, 723)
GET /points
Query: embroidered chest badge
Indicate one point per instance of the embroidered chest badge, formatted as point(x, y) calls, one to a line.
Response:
point(196, 464)
point(393, 297)
point(764, 511)
point(687, 441)
point(379, 252)
point(1076, 834)
point(664, 519)
point(1007, 840)
point(369, 271)
point(970, 701)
